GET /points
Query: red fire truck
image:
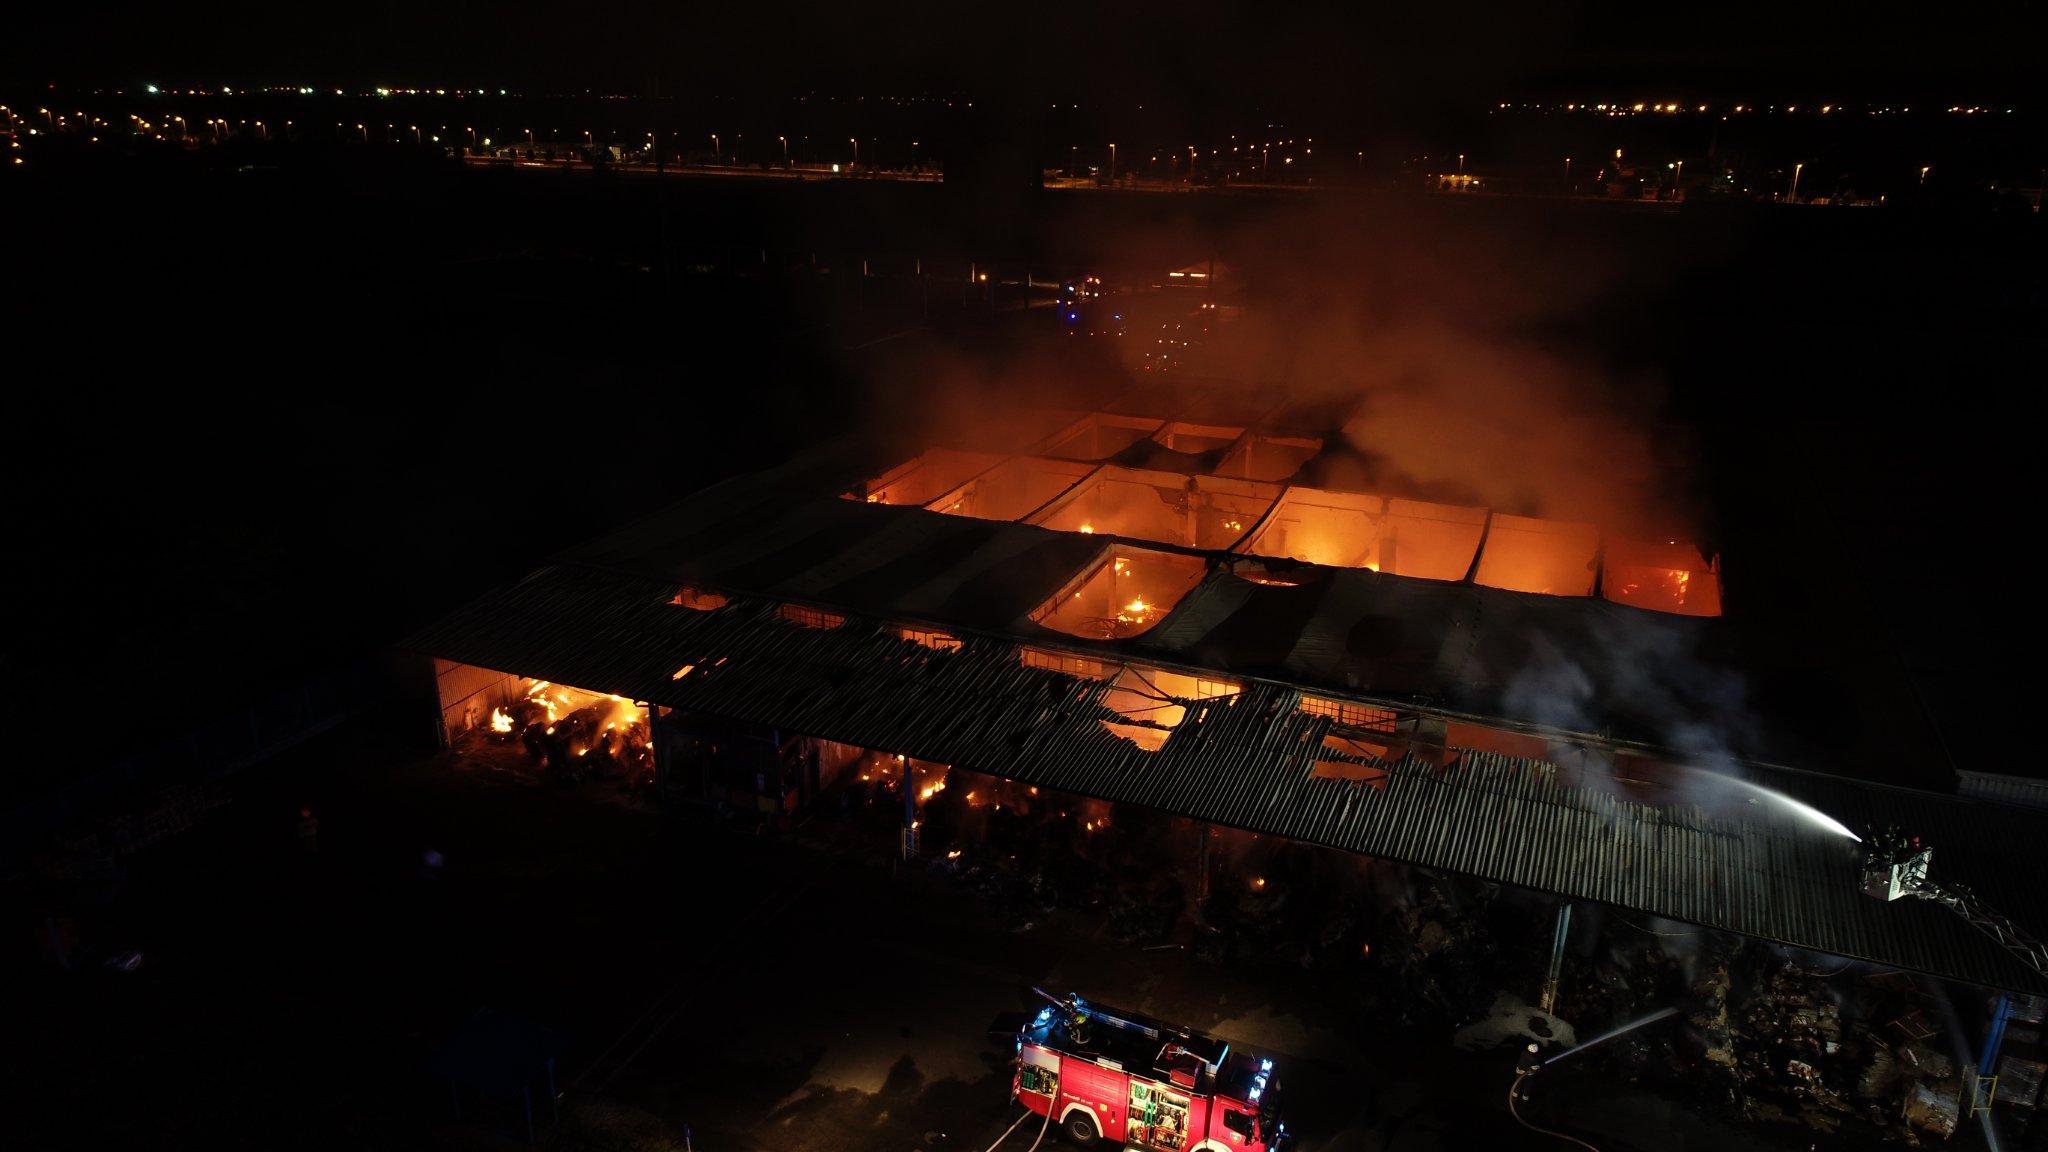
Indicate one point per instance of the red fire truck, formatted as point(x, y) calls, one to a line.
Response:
point(1105, 1074)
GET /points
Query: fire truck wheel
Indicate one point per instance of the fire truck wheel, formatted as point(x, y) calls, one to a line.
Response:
point(1080, 1128)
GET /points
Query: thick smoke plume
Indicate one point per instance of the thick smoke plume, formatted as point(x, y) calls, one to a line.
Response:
point(1464, 353)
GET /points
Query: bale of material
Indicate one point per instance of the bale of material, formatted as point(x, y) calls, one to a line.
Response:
point(1933, 1107)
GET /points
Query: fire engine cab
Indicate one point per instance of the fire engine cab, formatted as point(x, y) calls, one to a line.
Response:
point(1105, 1074)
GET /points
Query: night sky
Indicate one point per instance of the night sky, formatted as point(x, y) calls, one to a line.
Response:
point(1194, 53)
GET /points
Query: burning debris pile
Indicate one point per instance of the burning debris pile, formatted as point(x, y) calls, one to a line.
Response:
point(572, 735)
point(1767, 1038)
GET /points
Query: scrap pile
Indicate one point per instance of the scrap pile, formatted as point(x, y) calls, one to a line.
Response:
point(572, 735)
point(1773, 1037)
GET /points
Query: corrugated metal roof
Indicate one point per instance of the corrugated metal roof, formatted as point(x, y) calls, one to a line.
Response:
point(1246, 760)
point(2022, 790)
point(1583, 665)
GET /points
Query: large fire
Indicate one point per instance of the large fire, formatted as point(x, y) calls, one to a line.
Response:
point(577, 733)
point(1256, 494)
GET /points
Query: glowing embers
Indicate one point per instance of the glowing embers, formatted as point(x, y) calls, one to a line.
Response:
point(930, 638)
point(1555, 557)
point(1344, 530)
point(1268, 457)
point(1012, 490)
point(1152, 702)
point(1194, 511)
point(576, 732)
point(811, 617)
point(926, 478)
point(699, 599)
point(1668, 577)
point(1099, 436)
point(1124, 594)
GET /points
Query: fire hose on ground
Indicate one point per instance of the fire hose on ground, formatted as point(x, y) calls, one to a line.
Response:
point(1515, 1088)
point(1521, 1074)
point(1051, 1099)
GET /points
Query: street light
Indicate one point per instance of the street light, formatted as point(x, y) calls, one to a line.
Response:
point(856, 150)
point(785, 150)
point(1923, 172)
point(1795, 180)
point(1112, 163)
point(717, 150)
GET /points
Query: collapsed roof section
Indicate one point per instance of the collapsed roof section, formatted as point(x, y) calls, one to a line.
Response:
point(1351, 530)
point(1262, 457)
point(1207, 512)
point(928, 477)
point(1124, 593)
point(1553, 557)
point(1196, 489)
point(1099, 436)
point(1592, 666)
point(1011, 490)
point(1665, 576)
point(1251, 753)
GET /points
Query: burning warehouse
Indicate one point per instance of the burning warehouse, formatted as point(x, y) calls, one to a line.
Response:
point(1151, 611)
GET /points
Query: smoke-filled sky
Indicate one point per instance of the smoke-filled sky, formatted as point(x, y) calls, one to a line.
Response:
point(1475, 371)
point(1192, 53)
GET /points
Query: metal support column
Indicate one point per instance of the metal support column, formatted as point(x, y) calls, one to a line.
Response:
point(909, 811)
point(1548, 1000)
point(1995, 1039)
point(664, 756)
point(1984, 1093)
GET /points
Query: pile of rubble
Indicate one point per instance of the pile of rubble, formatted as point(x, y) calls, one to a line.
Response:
point(1854, 1056)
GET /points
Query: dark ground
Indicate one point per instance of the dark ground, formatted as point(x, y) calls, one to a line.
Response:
point(808, 1000)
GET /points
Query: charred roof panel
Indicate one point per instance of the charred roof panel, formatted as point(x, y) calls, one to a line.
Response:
point(1246, 760)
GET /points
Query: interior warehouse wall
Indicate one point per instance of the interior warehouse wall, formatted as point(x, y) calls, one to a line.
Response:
point(468, 694)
